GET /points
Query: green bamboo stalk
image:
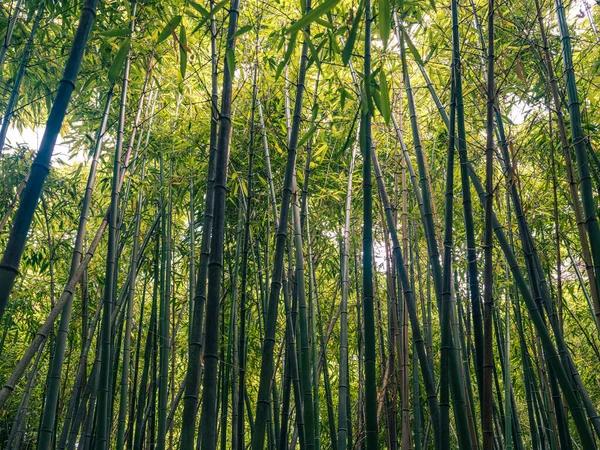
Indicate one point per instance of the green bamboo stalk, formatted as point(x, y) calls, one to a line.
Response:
point(466, 346)
point(293, 369)
point(508, 381)
point(303, 325)
point(192, 383)
point(192, 253)
point(321, 364)
point(115, 358)
point(133, 409)
point(9, 266)
point(164, 308)
point(527, 373)
point(474, 290)
point(104, 407)
point(571, 177)
point(208, 417)
point(434, 255)
point(150, 339)
point(49, 413)
point(372, 431)
point(124, 391)
point(402, 314)
point(416, 401)
point(446, 348)
point(77, 385)
point(488, 300)
point(240, 425)
point(16, 430)
point(456, 386)
point(232, 329)
point(86, 435)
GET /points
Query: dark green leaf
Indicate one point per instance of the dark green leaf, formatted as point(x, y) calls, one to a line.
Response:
point(208, 15)
point(287, 56)
point(182, 51)
point(411, 47)
point(229, 56)
point(307, 136)
point(385, 97)
point(313, 51)
point(241, 31)
point(117, 32)
point(312, 15)
point(349, 47)
point(203, 12)
point(384, 21)
point(115, 68)
point(170, 28)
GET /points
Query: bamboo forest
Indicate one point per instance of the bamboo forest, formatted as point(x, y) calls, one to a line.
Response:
point(300, 224)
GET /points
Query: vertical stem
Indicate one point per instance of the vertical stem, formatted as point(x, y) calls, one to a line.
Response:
point(103, 407)
point(488, 356)
point(208, 416)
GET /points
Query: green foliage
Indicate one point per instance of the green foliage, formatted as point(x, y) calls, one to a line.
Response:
point(172, 41)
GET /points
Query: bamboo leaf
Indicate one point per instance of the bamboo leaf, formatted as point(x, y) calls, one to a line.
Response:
point(313, 51)
point(385, 97)
point(307, 136)
point(203, 12)
point(170, 28)
point(230, 57)
point(349, 47)
point(312, 15)
point(117, 32)
point(315, 112)
point(241, 31)
point(287, 56)
point(384, 21)
point(324, 23)
point(182, 51)
point(208, 14)
point(411, 47)
point(115, 68)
